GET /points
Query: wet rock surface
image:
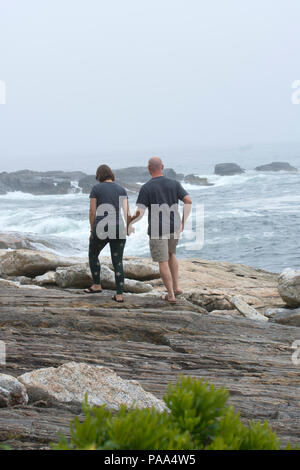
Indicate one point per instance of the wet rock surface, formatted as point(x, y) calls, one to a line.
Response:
point(148, 340)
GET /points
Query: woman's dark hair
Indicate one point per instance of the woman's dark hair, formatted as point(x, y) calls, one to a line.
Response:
point(104, 173)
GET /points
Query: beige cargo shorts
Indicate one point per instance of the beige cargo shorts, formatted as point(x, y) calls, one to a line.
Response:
point(161, 247)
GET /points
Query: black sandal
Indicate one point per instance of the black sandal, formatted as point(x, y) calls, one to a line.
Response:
point(89, 290)
point(115, 299)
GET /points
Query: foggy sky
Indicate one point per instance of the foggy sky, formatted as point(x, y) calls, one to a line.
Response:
point(127, 79)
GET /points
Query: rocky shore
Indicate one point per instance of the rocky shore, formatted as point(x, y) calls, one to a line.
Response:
point(62, 182)
point(61, 342)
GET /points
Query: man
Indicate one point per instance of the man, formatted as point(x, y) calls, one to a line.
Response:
point(160, 195)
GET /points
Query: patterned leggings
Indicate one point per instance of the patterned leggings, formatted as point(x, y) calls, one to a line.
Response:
point(116, 249)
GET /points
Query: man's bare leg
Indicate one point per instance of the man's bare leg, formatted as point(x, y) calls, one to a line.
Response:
point(173, 265)
point(166, 276)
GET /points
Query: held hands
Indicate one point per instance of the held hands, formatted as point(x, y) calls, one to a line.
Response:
point(130, 230)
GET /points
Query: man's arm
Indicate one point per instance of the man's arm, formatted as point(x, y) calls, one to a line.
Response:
point(186, 210)
point(93, 210)
point(142, 204)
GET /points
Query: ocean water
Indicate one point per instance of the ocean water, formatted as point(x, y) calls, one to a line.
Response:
point(253, 218)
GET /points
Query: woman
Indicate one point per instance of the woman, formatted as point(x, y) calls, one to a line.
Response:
point(107, 202)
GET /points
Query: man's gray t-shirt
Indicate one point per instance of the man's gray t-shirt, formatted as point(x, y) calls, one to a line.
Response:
point(158, 195)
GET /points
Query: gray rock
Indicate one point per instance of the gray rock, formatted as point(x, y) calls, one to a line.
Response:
point(136, 287)
point(70, 382)
point(271, 312)
point(152, 341)
point(196, 180)
point(46, 279)
point(139, 270)
point(289, 317)
point(77, 276)
point(208, 300)
point(24, 280)
point(276, 166)
point(289, 287)
point(247, 310)
point(12, 392)
point(80, 277)
point(31, 262)
point(228, 169)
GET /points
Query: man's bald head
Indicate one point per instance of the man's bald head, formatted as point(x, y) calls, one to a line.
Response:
point(155, 166)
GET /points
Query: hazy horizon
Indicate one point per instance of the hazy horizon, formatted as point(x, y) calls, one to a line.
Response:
point(122, 81)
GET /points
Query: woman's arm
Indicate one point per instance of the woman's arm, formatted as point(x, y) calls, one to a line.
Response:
point(93, 210)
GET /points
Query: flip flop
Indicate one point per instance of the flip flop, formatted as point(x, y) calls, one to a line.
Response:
point(179, 292)
point(89, 290)
point(119, 301)
point(166, 298)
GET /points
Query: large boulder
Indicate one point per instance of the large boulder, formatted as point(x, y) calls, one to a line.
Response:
point(140, 270)
point(289, 287)
point(70, 382)
point(228, 169)
point(276, 166)
point(80, 277)
point(31, 262)
point(12, 392)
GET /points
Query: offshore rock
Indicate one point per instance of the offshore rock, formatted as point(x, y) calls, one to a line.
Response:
point(228, 169)
point(276, 166)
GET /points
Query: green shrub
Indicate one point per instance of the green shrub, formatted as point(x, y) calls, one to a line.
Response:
point(198, 418)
